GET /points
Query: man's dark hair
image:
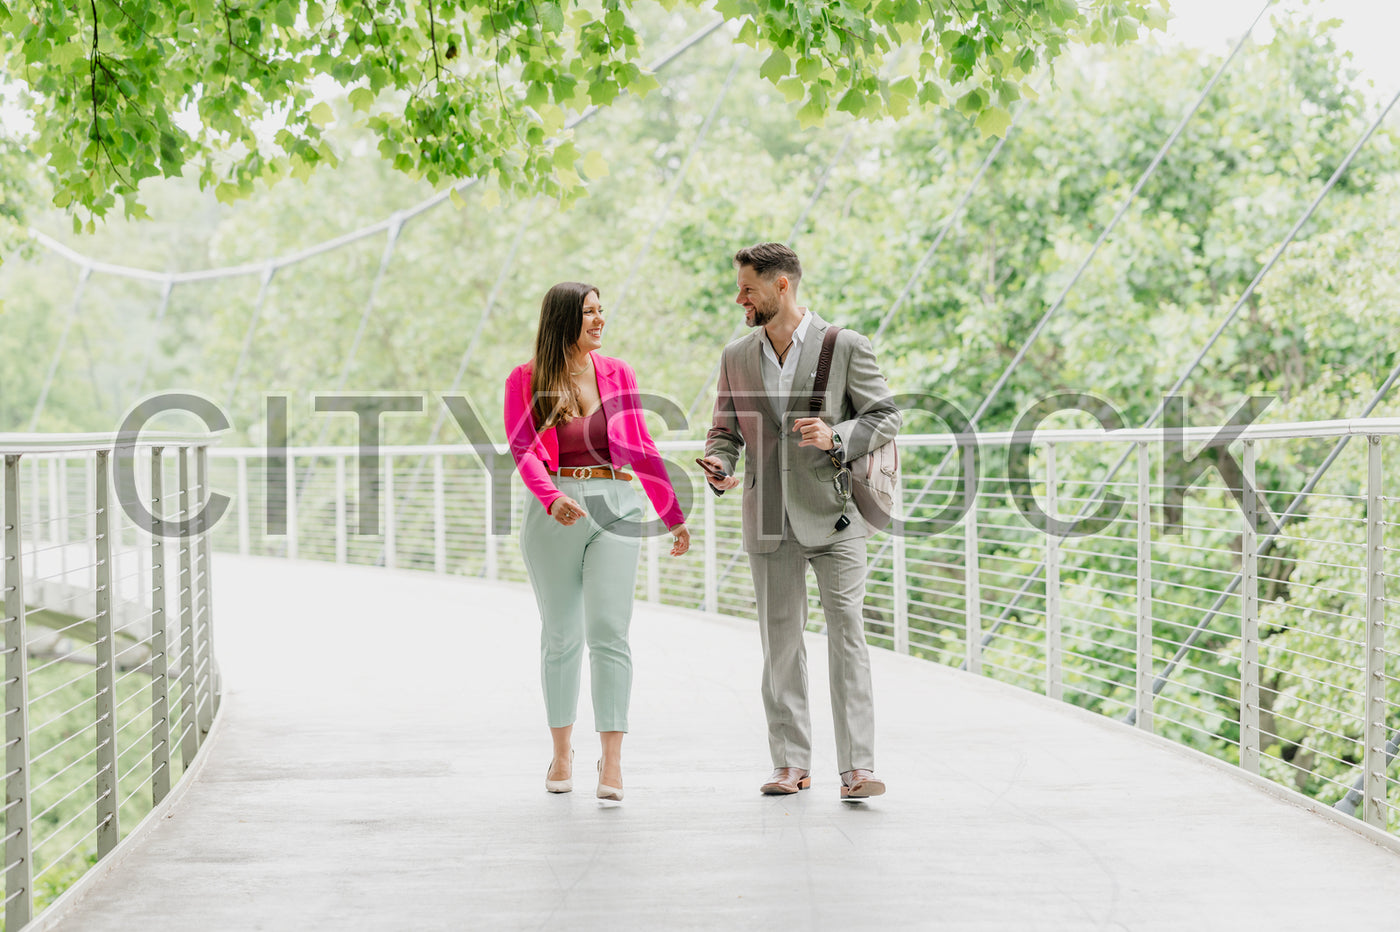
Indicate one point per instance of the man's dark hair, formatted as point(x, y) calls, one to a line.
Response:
point(771, 260)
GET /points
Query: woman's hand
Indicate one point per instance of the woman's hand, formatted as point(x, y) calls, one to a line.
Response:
point(566, 511)
point(681, 540)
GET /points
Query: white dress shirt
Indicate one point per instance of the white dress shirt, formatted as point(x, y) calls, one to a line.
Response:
point(777, 377)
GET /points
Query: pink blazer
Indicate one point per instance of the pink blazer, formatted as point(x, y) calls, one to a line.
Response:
point(628, 438)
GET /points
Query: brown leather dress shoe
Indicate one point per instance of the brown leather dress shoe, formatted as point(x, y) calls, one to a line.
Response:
point(861, 784)
point(785, 781)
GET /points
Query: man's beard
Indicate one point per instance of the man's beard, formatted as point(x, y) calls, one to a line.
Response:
point(762, 315)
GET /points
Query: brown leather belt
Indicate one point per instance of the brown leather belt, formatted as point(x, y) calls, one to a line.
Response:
point(591, 472)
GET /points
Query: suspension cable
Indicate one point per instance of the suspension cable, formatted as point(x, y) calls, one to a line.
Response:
point(74, 308)
point(165, 291)
point(792, 237)
point(1195, 363)
point(676, 184)
point(268, 271)
point(946, 225)
point(1059, 301)
point(391, 241)
point(1266, 543)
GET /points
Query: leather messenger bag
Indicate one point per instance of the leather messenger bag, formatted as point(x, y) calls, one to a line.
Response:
point(874, 476)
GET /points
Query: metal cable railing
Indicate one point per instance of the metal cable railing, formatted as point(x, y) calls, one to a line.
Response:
point(105, 626)
point(1291, 680)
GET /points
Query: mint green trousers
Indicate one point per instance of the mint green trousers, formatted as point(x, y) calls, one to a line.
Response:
point(583, 577)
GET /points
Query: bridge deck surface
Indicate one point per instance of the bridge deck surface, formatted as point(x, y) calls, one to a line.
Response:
point(380, 762)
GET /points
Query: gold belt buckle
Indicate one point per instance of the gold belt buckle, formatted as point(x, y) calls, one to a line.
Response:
point(580, 472)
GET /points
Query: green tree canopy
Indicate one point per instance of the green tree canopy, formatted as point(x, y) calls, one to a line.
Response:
point(123, 90)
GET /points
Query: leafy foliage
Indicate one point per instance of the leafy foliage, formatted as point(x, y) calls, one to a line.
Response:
point(453, 89)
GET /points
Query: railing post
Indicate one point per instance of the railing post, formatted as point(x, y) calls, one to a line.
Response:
point(342, 549)
point(245, 533)
point(1373, 760)
point(972, 582)
point(90, 501)
point(36, 486)
point(108, 805)
point(711, 558)
point(291, 487)
point(901, 574)
point(19, 862)
point(391, 538)
point(1054, 658)
point(654, 569)
point(58, 511)
point(1249, 618)
point(440, 517)
point(160, 658)
point(204, 633)
point(492, 561)
point(189, 740)
point(1144, 589)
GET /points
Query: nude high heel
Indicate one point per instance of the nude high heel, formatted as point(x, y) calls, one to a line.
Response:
point(560, 786)
point(605, 791)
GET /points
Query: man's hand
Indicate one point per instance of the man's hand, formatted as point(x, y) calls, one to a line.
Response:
point(714, 474)
point(815, 433)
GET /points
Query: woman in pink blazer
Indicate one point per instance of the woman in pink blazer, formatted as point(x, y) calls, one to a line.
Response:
point(574, 419)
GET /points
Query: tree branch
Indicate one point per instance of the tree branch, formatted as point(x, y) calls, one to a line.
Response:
point(432, 38)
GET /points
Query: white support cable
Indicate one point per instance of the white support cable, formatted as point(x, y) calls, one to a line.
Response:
point(166, 289)
point(1143, 178)
point(945, 225)
point(268, 271)
point(796, 230)
point(73, 310)
point(1200, 357)
point(676, 184)
point(501, 278)
point(385, 257)
point(279, 262)
point(1123, 209)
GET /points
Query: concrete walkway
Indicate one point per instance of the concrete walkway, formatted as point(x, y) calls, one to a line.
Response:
point(382, 752)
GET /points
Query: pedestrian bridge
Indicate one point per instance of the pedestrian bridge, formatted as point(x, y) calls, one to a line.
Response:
point(380, 760)
point(284, 725)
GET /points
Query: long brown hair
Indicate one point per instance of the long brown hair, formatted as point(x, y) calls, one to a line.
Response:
point(555, 400)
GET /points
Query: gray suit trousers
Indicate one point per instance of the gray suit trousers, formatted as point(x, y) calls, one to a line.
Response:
point(780, 583)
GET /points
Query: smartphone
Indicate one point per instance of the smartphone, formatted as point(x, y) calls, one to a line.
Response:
point(711, 471)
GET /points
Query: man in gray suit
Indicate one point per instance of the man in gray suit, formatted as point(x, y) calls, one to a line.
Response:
point(797, 509)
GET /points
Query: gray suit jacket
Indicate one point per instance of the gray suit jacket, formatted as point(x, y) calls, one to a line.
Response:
point(788, 490)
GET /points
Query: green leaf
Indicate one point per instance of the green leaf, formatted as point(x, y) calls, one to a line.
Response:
point(551, 18)
point(361, 98)
point(644, 84)
point(808, 69)
point(852, 102)
point(993, 121)
point(565, 155)
point(792, 88)
point(776, 66)
point(811, 114)
point(594, 165)
point(321, 114)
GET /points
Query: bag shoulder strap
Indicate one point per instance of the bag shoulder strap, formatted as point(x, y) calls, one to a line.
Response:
point(823, 370)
